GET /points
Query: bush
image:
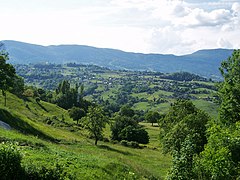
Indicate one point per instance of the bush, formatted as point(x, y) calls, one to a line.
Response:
point(124, 128)
point(45, 172)
point(124, 142)
point(133, 144)
point(10, 162)
point(137, 134)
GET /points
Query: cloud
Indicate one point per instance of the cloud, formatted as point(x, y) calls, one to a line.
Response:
point(159, 26)
point(222, 43)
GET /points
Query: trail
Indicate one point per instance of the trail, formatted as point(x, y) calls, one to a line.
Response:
point(5, 125)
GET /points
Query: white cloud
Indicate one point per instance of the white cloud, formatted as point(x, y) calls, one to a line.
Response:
point(160, 26)
point(222, 43)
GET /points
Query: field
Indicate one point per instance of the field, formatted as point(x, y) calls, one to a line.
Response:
point(51, 142)
point(59, 142)
point(144, 91)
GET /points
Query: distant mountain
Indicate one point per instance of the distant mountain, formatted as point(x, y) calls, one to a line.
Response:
point(203, 62)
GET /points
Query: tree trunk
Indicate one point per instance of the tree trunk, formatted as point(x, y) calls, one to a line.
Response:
point(96, 140)
point(5, 98)
point(152, 123)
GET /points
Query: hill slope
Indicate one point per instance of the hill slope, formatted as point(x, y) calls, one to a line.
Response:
point(58, 146)
point(204, 62)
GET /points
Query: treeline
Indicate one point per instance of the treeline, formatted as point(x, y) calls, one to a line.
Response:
point(183, 76)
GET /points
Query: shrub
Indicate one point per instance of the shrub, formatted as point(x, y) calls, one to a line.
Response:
point(10, 162)
point(133, 144)
point(45, 172)
point(124, 142)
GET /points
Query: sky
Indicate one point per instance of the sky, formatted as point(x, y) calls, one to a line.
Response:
point(147, 26)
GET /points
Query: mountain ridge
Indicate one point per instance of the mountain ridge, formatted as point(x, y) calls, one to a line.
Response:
point(203, 62)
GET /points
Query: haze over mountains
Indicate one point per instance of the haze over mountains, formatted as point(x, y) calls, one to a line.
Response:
point(203, 62)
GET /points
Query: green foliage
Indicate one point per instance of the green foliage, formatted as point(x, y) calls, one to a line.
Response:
point(95, 121)
point(54, 172)
point(121, 122)
point(7, 75)
point(18, 86)
point(220, 158)
point(229, 90)
point(134, 133)
point(183, 134)
point(10, 162)
point(182, 167)
point(184, 76)
point(66, 97)
point(71, 150)
point(76, 113)
point(183, 119)
point(126, 110)
point(152, 117)
point(125, 128)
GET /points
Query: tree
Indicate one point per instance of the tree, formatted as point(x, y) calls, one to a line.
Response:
point(67, 97)
point(7, 75)
point(18, 86)
point(125, 128)
point(183, 134)
point(229, 90)
point(152, 117)
point(220, 158)
point(126, 110)
point(94, 122)
point(76, 113)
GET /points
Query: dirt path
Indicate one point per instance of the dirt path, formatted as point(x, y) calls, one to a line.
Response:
point(5, 125)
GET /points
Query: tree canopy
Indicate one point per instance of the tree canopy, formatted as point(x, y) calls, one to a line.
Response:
point(95, 122)
point(7, 75)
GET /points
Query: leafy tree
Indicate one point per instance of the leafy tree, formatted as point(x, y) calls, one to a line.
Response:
point(125, 128)
point(76, 113)
point(67, 97)
point(7, 75)
point(95, 122)
point(183, 161)
point(134, 133)
point(152, 117)
point(18, 86)
point(183, 134)
point(121, 122)
point(126, 110)
point(220, 158)
point(229, 90)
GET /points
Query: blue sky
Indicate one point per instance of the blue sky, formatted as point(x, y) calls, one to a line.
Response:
point(148, 26)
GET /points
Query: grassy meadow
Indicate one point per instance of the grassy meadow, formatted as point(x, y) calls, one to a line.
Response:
point(47, 137)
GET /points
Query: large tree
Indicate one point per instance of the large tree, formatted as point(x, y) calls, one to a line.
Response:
point(126, 128)
point(152, 117)
point(7, 75)
point(229, 90)
point(220, 158)
point(183, 134)
point(95, 121)
point(76, 113)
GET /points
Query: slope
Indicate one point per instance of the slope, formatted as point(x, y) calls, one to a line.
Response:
point(50, 142)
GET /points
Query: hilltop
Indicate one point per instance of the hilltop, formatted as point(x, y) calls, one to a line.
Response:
point(203, 62)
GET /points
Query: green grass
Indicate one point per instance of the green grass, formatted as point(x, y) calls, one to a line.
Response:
point(44, 145)
point(209, 107)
